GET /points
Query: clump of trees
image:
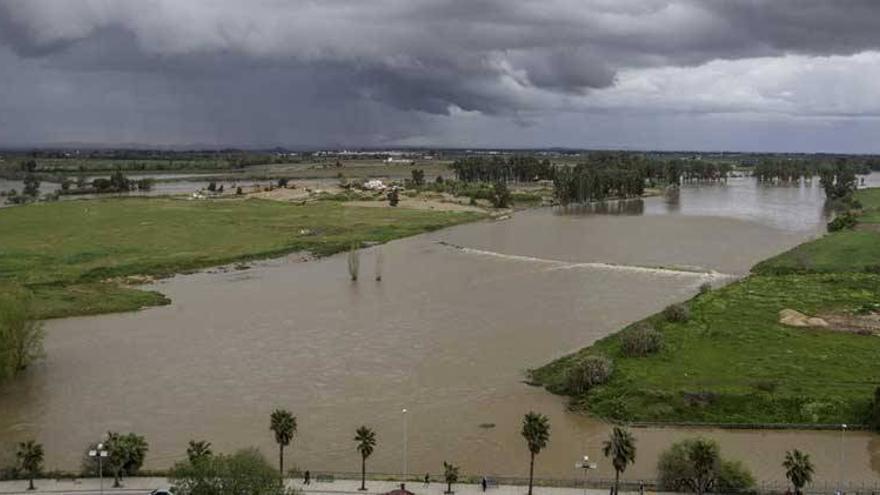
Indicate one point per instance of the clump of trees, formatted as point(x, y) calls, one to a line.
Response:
point(516, 168)
point(500, 195)
point(245, 471)
point(640, 340)
point(838, 180)
point(587, 373)
point(125, 456)
point(21, 335)
point(695, 465)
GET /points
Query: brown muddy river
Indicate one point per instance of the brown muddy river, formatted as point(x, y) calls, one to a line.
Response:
point(447, 334)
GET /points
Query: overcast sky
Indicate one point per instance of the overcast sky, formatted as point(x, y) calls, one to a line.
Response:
point(784, 75)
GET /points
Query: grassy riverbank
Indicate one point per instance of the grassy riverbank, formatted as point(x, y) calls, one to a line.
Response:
point(733, 362)
point(67, 251)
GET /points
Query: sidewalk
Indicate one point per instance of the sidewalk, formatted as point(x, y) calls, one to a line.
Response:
point(135, 486)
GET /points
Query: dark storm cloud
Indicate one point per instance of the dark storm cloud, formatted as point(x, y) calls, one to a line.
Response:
point(370, 68)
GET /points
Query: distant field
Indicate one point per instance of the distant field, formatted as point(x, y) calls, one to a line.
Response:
point(65, 250)
point(732, 362)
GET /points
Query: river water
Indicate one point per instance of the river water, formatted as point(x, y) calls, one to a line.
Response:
point(447, 334)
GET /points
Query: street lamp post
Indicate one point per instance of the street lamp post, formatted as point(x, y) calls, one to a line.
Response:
point(100, 453)
point(586, 465)
point(405, 468)
point(842, 434)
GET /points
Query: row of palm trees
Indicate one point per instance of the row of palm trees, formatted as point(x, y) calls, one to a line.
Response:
point(620, 449)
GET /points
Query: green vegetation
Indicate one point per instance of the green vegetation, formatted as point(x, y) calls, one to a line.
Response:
point(66, 252)
point(730, 361)
point(21, 336)
point(536, 432)
point(450, 476)
point(283, 425)
point(245, 472)
point(198, 450)
point(695, 465)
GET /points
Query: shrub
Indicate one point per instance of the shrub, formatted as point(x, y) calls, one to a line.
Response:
point(587, 373)
point(642, 340)
point(705, 288)
point(500, 195)
point(842, 222)
point(874, 415)
point(677, 313)
point(734, 477)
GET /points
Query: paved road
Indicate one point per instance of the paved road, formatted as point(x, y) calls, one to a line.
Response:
point(136, 486)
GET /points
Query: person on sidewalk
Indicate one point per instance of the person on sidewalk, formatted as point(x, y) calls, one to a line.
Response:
point(484, 483)
point(427, 479)
point(307, 478)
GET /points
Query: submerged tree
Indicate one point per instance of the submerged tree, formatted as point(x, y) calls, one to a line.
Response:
point(366, 442)
point(380, 262)
point(283, 425)
point(21, 334)
point(536, 432)
point(354, 262)
point(621, 449)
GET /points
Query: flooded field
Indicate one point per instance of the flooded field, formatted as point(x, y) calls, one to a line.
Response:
point(447, 334)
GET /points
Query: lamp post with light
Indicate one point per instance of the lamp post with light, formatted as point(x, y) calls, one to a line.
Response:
point(99, 453)
point(842, 434)
point(405, 467)
point(586, 465)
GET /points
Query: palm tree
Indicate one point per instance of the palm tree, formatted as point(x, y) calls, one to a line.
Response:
point(283, 424)
point(450, 474)
point(798, 469)
point(621, 449)
point(30, 460)
point(536, 431)
point(198, 450)
point(366, 441)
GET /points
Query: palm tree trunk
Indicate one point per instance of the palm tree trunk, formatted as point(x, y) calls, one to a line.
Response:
point(616, 480)
point(363, 473)
point(116, 477)
point(31, 483)
point(281, 461)
point(531, 472)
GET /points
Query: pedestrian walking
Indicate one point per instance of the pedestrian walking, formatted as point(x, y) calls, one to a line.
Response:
point(427, 479)
point(307, 478)
point(483, 483)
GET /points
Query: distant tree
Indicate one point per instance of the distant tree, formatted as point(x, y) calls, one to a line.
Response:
point(418, 177)
point(198, 451)
point(145, 184)
point(354, 262)
point(798, 469)
point(393, 196)
point(500, 195)
point(29, 166)
point(31, 186)
point(30, 460)
point(282, 182)
point(536, 432)
point(119, 182)
point(238, 191)
point(283, 425)
point(212, 186)
point(450, 475)
point(621, 449)
point(366, 442)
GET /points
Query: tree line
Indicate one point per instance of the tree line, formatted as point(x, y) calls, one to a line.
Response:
point(691, 465)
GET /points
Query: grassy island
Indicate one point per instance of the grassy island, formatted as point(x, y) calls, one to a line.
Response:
point(73, 255)
point(731, 361)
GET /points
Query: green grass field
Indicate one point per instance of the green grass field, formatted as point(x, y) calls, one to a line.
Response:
point(732, 362)
point(65, 251)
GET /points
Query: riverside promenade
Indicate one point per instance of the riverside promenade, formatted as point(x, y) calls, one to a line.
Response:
point(134, 486)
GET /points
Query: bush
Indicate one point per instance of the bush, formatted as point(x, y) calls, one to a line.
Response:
point(677, 313)
point(500, 195)
point(589, 372)
point(845, 221)
point(734, 477)
point(705, 288)
point(874, 414)
point(246, 471)
point(640, 341)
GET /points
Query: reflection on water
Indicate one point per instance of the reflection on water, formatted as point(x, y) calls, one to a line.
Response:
point(447, 334)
